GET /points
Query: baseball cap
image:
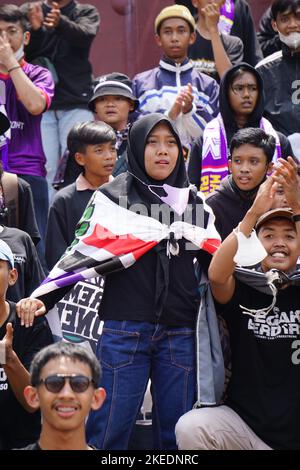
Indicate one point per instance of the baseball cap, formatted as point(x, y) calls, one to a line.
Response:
point(6, 253)
point(4, 123)
point(274, 213)
point(115, 83)
point(174, 11)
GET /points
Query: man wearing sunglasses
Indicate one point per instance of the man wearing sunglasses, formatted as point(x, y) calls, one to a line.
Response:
point(65, 386)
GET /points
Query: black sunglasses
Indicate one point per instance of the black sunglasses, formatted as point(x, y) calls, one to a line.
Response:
point(78, 383)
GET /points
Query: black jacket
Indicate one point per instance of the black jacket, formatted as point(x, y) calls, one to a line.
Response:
point(195, 162)
point(281, 75)
point(64, 214)
point(268, 38)
point(67, 47)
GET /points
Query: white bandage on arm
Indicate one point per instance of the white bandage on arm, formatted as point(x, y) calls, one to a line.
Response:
point(250, 250)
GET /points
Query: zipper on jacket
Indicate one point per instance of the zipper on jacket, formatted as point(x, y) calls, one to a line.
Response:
point(178, 81)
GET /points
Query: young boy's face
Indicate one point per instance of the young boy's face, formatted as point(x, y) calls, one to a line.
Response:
point(114, 110)
point(279, 238)
point(66, 409)
point(15, 34)
point(287, 22)
point(174, 38)
point(243, 94)
point(98, 160)
point(248, 166)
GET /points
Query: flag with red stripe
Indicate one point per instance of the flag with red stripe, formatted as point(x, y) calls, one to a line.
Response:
point(110, 237)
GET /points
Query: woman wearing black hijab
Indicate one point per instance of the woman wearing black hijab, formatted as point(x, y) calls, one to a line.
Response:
point(150, 308)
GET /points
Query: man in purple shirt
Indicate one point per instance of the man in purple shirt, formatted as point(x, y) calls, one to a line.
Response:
point(28, 93)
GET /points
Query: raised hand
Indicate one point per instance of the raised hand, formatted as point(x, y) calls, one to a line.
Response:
point(183, 103)
point(264, 198)
point(176, 108)
point(6, 52)
point(286, 175)
point(187, 99)
point(35, 15)
point(212, 16)
point(53, 17)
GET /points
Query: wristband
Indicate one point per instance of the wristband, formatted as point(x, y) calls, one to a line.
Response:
point(296, 218)
point(14, 68)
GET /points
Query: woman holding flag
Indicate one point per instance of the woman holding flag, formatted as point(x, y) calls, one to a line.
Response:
point(143, 231)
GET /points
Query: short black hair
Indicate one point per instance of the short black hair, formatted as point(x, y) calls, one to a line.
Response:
point(256, 137)
point(71, 350)
point(13, 14)
point(282, 6)
point(89, 133)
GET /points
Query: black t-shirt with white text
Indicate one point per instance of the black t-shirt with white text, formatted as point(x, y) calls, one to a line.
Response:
point(265, 383)
point(201, 53)
point(18, 427)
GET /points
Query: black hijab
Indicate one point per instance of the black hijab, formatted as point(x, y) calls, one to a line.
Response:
point(129, 184)
point(137, 140)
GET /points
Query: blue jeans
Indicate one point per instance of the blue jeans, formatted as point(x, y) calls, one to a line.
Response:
point(55, 127)
point(130, 353)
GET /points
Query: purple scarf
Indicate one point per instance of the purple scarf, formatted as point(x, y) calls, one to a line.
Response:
point(215, 152)
point(226, 17)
